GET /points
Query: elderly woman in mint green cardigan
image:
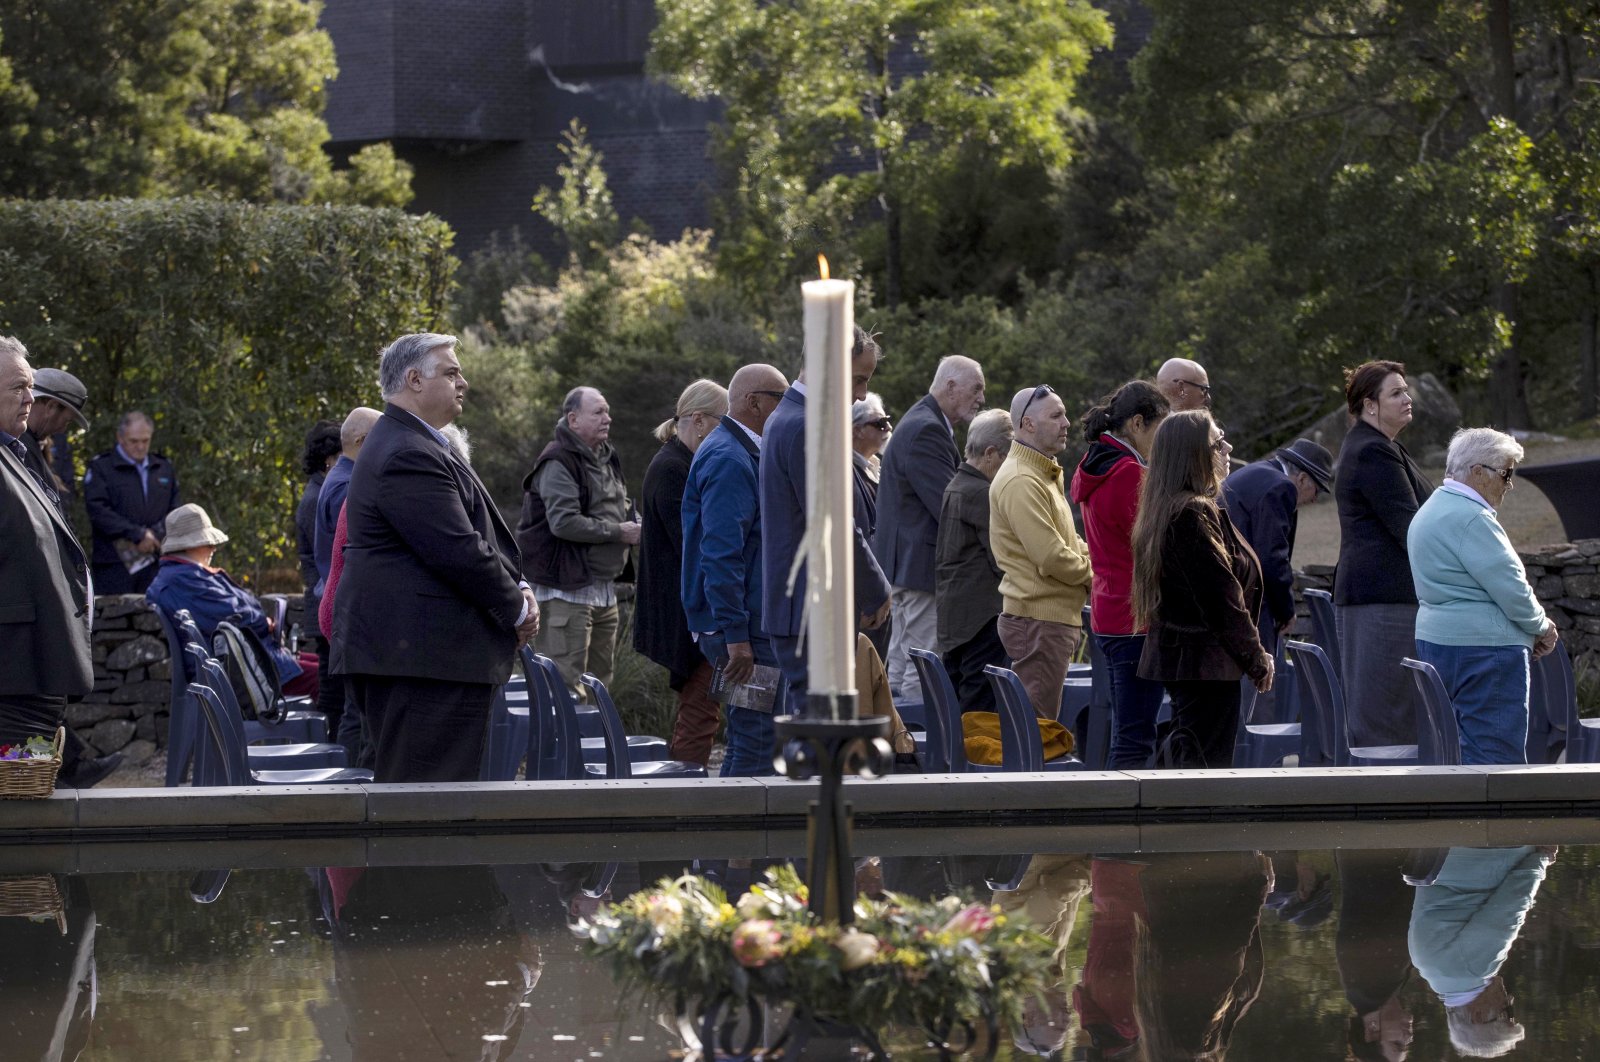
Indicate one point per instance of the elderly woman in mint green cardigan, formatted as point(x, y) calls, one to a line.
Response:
point(1478, 620)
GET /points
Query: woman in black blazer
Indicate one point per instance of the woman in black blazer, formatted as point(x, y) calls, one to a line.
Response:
point(1378, 488)
point(1197, 585)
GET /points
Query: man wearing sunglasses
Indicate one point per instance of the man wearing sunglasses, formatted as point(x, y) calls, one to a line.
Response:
point(1046, 564)
point(917, 466)
point(1185, 384)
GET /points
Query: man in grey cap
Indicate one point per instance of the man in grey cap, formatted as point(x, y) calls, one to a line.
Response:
point(58, 401)
point(1263, 500)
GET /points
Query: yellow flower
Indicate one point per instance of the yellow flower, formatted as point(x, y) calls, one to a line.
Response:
point(726, 913)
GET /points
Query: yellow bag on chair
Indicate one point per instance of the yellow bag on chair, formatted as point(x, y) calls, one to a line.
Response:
point(981, 733)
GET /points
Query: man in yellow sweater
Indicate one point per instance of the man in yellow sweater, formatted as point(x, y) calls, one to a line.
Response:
point(1045, 564)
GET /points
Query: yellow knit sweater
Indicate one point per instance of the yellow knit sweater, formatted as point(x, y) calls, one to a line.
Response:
point(1046, 564)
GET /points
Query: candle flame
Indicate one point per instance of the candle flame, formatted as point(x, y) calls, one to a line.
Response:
point(822, 266)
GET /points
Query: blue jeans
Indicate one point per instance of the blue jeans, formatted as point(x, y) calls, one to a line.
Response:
point(750, 735)
point(1135, 702)
point(1488, 684)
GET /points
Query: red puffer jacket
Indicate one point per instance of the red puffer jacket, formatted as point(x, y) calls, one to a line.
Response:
point(1105, 487)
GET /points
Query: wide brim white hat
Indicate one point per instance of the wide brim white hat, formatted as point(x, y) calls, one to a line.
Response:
point(189, 526)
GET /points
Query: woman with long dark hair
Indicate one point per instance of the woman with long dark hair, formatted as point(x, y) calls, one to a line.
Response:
point(1197, 586)
point(1378, 488)
point(1120, 431)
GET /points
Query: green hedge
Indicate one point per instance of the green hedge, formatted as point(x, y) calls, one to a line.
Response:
point(234, 326)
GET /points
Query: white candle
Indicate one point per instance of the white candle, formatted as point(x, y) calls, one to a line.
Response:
point(830, 558)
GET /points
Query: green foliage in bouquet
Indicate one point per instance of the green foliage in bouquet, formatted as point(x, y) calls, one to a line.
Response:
point(905, 961)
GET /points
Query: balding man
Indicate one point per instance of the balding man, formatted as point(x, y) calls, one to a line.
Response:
point(430, 609)
point(1046, 564)
point(336, 485)
point(129, 490)
point(919, 463)
point(44, 579)
point(1185, 384)
point(576, 528)
point(721, 583)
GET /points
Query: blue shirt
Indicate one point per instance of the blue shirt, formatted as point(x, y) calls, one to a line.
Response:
point(142, 466)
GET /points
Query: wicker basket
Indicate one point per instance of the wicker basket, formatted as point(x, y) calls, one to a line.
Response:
point(32, 779)
point(34, 897)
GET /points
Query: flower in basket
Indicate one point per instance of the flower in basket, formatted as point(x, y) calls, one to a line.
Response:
point(974, 920)
point(35, 748)
point(857, 949)
point(757, 942)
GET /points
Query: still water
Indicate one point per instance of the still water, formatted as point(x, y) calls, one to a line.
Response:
point(1245, 955)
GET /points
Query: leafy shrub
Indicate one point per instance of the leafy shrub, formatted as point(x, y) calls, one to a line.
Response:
point(234, 326)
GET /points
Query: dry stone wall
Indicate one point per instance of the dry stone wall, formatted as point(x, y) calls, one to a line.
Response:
point(1566, 578)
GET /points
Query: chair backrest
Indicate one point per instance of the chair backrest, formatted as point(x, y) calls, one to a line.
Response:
point(1561, 691)
point(1438, 739)
point(1542, 722)
point(220, 760)
point(1097, 741)
point(617, 762)
point(1322, 729)
point(181, 710)
point(1324, 628)
point(1020, 747)
point(946, 750)
point(544, 738)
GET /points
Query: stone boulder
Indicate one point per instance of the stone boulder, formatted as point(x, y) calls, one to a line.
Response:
point(142, 650)
point(1434, 418)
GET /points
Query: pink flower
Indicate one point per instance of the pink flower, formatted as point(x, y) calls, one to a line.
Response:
point(973, 921)
point(757, 942)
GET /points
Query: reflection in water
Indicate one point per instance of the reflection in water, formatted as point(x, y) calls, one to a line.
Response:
point(1374, 963)
point(47, 972)
point(428, 961)
point(1462, 928)
point(1160, 956)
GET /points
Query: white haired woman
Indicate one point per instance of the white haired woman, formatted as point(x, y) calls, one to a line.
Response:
point(1478, 621)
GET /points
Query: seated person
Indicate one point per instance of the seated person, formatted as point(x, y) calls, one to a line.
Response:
point(185, 579)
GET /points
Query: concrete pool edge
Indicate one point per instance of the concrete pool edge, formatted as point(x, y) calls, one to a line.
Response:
point(1109, 797)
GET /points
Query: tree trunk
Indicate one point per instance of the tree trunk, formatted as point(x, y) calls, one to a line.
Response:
point(1588, 384)
point(891, 254)
point(1509, 400)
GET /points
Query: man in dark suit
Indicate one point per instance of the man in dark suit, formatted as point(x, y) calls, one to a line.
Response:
point(45, 594)
point(1263, 499)
point(917, 466)
point(783, 521)
point(430, 611)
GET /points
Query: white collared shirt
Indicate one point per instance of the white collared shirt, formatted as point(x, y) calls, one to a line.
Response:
point(1455, 486)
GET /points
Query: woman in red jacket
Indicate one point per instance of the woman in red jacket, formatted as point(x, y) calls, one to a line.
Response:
point(1106, 488)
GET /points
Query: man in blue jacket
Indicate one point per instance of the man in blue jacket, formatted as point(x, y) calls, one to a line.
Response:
point(721, 582)
point(129, 490)
point(784, 515)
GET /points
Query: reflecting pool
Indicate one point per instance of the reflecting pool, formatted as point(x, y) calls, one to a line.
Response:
point(1244, 954)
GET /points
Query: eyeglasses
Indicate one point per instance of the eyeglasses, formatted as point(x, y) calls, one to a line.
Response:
point(1505, 474)
point(1204, 388)
point(1222, 445)
point(882, 425)
point(1038, 393)
point(769, 394)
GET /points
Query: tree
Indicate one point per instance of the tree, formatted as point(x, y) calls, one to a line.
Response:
point(1401, 170)
point(841, 119)
point(162, 97)
point(581, 209)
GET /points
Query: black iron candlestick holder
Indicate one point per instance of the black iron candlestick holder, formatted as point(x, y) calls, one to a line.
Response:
point(828, 749)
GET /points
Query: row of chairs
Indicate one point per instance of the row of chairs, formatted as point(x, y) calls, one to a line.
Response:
point(539, 718)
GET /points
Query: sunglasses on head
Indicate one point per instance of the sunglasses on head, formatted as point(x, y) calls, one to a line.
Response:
point(1038, 393)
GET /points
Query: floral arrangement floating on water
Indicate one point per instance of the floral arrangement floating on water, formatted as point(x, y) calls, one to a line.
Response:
point(35, 748)
point(930, 964)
